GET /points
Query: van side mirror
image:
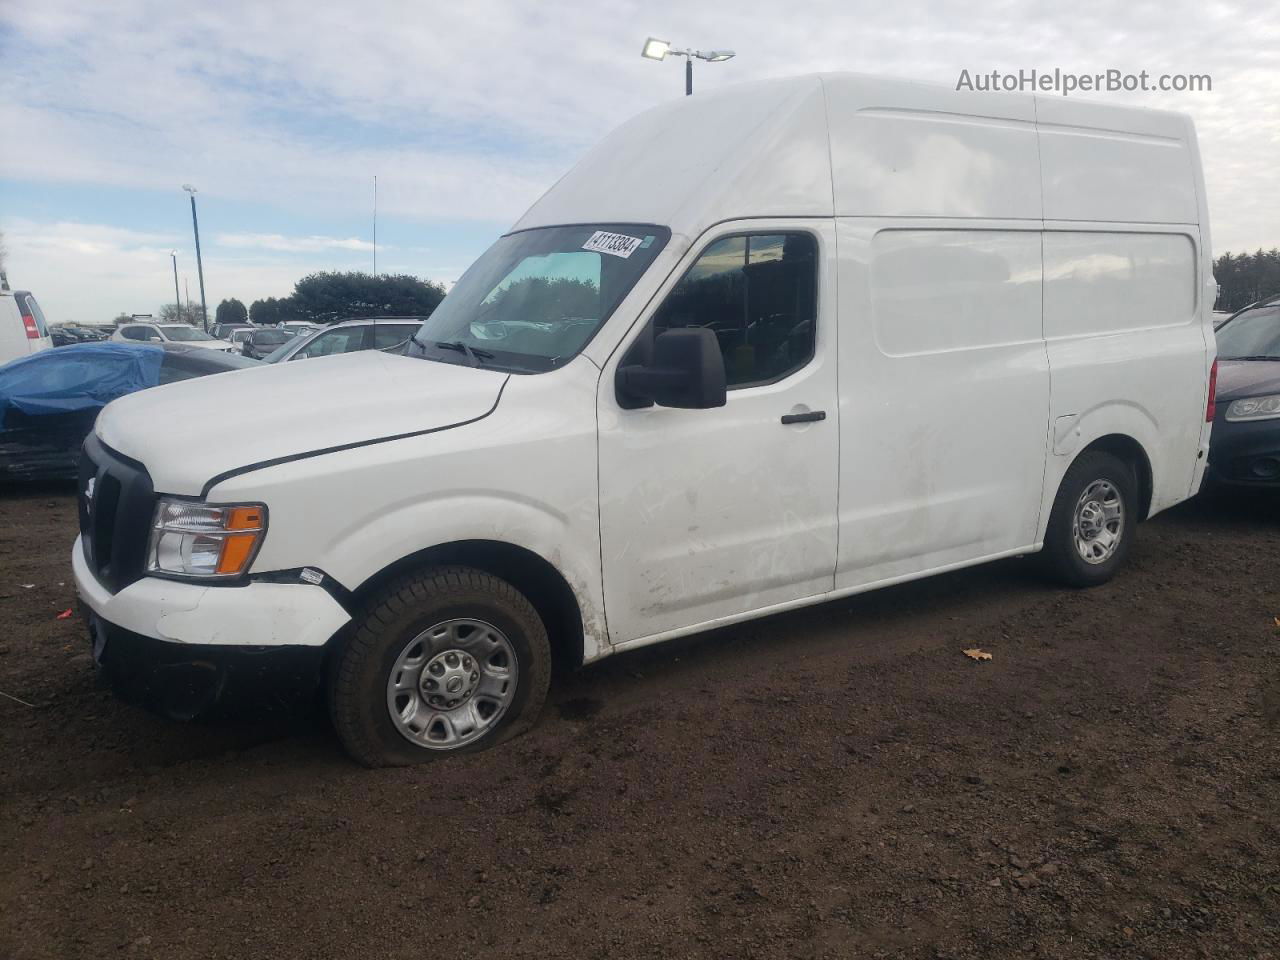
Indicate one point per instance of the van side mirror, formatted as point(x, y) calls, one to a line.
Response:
point(685, 370)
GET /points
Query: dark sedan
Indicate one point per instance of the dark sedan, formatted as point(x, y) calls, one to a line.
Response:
point(1245, 448)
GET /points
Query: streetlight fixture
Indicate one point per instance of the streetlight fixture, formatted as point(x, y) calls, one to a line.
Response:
point(195, 225)
point(655, 49)
point(177, 297)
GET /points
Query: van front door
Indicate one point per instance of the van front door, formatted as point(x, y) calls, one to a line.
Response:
point(707, 515)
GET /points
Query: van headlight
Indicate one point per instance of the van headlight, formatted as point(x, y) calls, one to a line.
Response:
point(1254, 408)
point(205, 541)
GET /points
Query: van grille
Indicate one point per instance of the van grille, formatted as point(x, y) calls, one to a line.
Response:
point(116, 504)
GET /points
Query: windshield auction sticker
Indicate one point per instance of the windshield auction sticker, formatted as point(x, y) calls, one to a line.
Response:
point(617, 244)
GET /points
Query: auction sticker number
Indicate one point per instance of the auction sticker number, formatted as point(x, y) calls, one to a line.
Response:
point(617, 244)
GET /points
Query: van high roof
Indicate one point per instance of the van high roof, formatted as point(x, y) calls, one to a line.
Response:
point(860, 146)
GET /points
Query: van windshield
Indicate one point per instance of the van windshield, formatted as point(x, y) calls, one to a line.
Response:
point(536, 297)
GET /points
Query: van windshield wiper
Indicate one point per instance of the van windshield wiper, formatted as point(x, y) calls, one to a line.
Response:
point(472, 354)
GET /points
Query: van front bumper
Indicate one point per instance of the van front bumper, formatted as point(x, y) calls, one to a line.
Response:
point(181, 647)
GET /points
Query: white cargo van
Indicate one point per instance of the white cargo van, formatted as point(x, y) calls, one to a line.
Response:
point(23, 329)
point(758, 349)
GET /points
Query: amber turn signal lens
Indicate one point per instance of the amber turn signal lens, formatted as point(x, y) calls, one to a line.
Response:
point(244, 518)
point(236, 550)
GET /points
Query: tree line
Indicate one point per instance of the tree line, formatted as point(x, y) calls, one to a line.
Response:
point(1246, 278)
point(327, 297)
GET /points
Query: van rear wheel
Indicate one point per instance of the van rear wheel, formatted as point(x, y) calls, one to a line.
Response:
point(446, 660)
point(1093, 520)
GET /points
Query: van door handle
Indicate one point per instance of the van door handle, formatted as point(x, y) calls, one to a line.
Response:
point(811, 417)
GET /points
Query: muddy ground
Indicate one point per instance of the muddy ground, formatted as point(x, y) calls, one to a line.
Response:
point(837, 782)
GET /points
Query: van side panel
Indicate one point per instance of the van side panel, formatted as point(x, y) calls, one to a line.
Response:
point(13, 336)
point(1103, 163)
point(944, 394)
point(1126, 349)
point(912, 150)
point(1125, 288)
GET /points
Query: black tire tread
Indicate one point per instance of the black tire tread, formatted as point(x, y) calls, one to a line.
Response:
point(366, 639)
point(1058, 558)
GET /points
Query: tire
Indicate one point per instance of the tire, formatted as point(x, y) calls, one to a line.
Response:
point(409, 629)
point(1097, 474)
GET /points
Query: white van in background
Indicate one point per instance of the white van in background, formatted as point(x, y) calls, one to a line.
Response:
point(760, 348)
point(22, 325)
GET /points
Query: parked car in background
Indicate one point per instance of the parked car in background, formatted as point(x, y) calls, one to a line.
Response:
point(69, 333)
point(300, 327)
point(160, 333)
point(49, 401)
point(223, 331)
point(22, 325)
point(238, 336)
point(1245, 448)
point(264, 341)
point(350, 336)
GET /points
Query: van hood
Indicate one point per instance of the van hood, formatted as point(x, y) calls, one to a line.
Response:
point(187, 433)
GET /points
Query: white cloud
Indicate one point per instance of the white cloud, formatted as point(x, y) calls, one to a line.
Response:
point(274, 241)
point(470, 110)
point(90, 272)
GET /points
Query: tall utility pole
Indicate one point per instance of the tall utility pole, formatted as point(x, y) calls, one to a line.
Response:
point(177, 298)
point(375, 224)
point(195, 225)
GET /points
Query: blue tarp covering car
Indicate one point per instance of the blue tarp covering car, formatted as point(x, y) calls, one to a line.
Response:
point(80, 377)
point(49, 400)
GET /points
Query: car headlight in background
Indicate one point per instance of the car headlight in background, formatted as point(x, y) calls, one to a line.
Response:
point(1254, 408)
point(197, 540)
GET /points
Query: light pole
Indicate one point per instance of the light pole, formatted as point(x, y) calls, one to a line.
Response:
point(655, 49)
point(177, 297)
point(195, 225)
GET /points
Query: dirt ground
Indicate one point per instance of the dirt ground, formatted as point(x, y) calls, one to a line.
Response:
point(836, 782)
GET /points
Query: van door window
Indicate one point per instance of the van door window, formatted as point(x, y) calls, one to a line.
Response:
point(758, 293)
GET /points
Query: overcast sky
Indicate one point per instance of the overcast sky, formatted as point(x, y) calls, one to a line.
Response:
point(282, 111)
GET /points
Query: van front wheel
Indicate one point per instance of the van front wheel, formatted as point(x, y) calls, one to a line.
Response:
point(447, 660)
point(1092, 523)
